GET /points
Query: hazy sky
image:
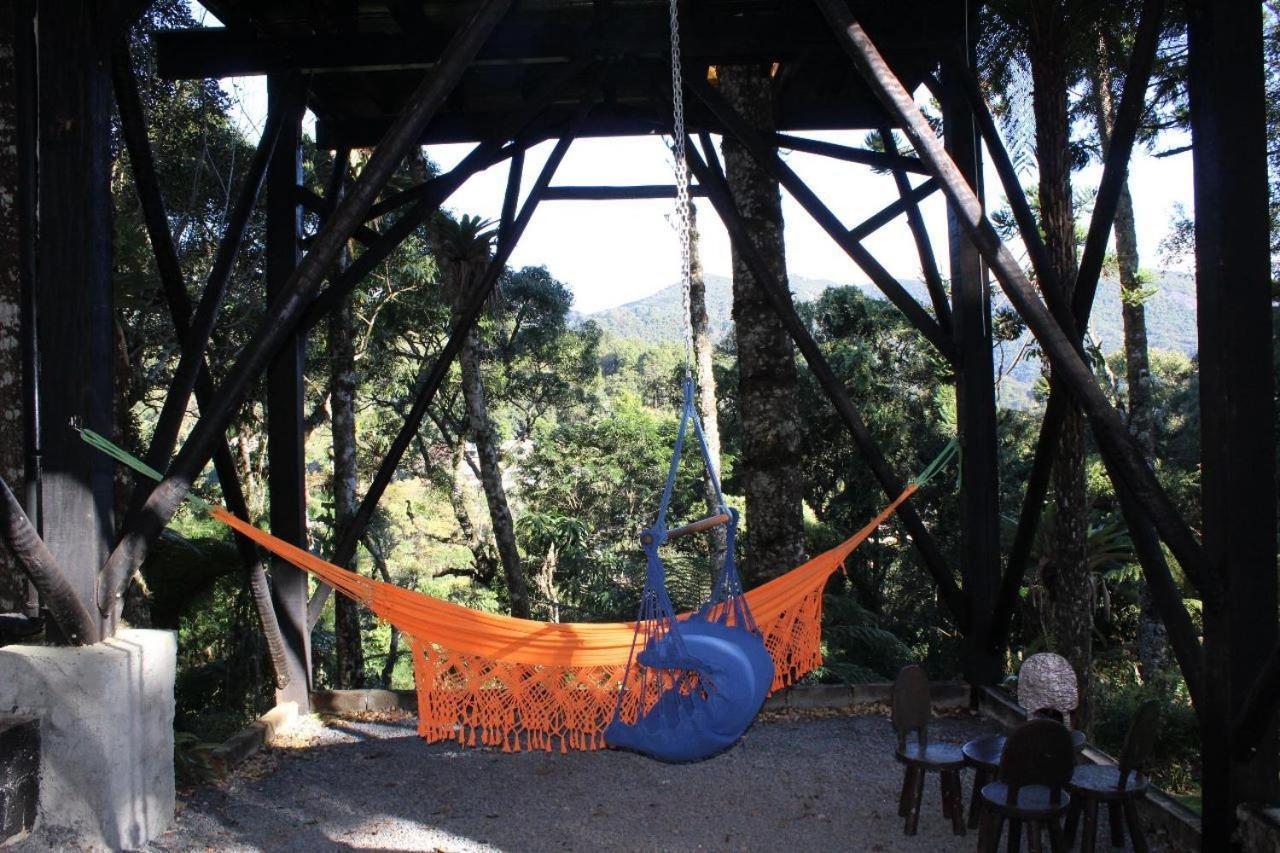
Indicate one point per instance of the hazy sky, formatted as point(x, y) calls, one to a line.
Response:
point(610, 253)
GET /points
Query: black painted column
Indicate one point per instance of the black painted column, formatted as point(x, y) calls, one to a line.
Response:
point(73, 285)
point(286, 478)
point(975, 399)
point(1237, 388)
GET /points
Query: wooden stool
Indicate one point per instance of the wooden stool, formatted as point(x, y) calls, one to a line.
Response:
point(983, 755)
point(1035, 766)
point(911, 713)
point(1120, 787)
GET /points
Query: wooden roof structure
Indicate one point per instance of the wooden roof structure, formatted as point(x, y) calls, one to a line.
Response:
point(363, 59)
point(505, 74)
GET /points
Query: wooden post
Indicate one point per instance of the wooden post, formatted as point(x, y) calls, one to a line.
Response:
point(73, 287)
point(975, 400)
point(1114, 441)
point(710, 176)
point(1237, 402)
point(285, 313)
point(17, 172)
point(738, 128)
point(24, 56)
point(286, 478)
point(352, 535)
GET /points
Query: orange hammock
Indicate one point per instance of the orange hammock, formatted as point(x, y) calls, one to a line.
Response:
point(517, 684)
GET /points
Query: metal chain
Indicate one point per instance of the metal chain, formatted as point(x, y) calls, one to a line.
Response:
point(683, 214)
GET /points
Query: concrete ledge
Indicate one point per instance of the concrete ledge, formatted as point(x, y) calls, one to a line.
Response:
point(358, 701)
point(945, 694)
point(253, 737)
point(106, 737)
point(1259, 828)
point(1157, 809)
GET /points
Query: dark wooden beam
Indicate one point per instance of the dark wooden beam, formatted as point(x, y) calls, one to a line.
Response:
point(286, 311)
point(510, 198)
point(607, 193)
point(134, 130)
point(1258, 710)
point(75, 316)
point(1028, 227)
point(491, 151)
point(920, 234)
point(865, 156)
point(882, 217)
point(196, 339)
point(1117, 446)
point(320, 206)
point(429, 195)
point(975, 398)
point(286, 438)
point(721, 199)
point(350, 538)
point(26, 136)
point(1117, 156)
point(767, 156)
point(1234, 311)
point(1115, 167)
point(530, 38)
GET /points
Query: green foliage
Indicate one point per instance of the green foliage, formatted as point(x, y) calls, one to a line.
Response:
point(1175, 764)
point(607, 473)
point(857, 649)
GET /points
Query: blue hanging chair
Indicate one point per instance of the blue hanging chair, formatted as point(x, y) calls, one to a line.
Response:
point(700, 681)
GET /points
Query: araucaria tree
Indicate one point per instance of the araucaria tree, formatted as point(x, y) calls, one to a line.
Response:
point(463, 252)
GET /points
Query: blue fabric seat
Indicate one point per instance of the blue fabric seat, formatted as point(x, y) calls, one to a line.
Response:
point(720, 644)
point(692, 727)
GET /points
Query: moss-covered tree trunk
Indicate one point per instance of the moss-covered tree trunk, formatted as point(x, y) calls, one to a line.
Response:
point(495, 494)
point(348, 643)
point(1153, 638)
point(1068, 599)
point(767, 386)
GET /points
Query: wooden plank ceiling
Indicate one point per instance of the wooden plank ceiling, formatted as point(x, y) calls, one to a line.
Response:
point(364, 58)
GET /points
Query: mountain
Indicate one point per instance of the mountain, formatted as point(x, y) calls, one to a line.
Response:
point(1171, 319)
point(657, 318)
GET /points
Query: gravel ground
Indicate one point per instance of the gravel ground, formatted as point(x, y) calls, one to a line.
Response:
point(827, 783)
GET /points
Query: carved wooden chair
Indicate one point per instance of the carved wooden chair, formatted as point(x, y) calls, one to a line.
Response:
point(1119, 786)
point(1035, 768)
point(912, 711)
point(1046, 687)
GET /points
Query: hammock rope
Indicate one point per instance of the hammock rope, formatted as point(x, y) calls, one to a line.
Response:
point(517, 684)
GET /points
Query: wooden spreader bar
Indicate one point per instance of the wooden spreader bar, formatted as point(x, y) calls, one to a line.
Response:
point(692, 527)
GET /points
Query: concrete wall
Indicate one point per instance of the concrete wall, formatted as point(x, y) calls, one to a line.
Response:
point(106, 732)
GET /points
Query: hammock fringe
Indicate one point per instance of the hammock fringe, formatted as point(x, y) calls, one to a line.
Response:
point(514, 684)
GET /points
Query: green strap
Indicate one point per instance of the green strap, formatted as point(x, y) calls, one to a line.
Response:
point(939, 462)
point(95, 440)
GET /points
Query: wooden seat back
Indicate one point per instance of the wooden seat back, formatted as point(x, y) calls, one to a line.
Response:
point(1140, 741)
point(1039, 752)
point(911, 706)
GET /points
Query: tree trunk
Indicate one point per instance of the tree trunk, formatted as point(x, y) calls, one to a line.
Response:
point(349, 648)
point(1153, 637)
point(1068, 599)
point(393, 643)
point(705, 377)
point(767, 383)
point(495, 494)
